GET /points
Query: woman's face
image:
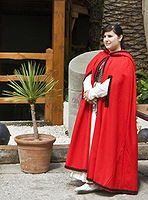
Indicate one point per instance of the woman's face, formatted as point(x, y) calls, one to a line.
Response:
point(112, 41)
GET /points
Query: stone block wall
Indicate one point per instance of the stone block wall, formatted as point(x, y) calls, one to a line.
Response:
point(145, 16)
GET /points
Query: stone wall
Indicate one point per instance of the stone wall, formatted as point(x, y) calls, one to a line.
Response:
point(145, 16)
point(128, 13)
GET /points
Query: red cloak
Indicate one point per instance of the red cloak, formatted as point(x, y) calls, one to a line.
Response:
point(113, 163)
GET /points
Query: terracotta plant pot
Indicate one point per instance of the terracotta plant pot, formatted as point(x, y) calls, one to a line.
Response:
point(34, 155)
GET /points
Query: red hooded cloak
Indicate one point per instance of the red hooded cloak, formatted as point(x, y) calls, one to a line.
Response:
point(112, 163)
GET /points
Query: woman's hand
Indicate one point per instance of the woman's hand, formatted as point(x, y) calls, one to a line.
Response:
point(92, 101)
point(86, 97)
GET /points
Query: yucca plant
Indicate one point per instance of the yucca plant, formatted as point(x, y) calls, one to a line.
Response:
point(33, 83)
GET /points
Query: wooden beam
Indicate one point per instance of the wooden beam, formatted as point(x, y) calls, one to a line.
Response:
point(4, 101)
point(58, 59)
point(48, 103)
point(23, 56)
point(79, 9)
point(6, 78)
point(49, 60)
point(74, 14)
point(72, 23)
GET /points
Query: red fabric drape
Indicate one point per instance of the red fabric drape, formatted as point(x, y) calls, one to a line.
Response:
point(112, 164)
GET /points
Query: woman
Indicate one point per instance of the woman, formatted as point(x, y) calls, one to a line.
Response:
point(103, 149)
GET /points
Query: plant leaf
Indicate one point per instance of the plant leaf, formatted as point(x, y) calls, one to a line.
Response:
point(33, 83)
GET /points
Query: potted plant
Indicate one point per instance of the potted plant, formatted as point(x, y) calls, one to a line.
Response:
point(34, 149)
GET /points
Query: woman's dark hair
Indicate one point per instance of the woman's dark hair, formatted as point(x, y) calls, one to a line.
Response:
point(116, 28)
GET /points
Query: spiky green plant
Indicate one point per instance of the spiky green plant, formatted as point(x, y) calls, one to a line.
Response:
point(34, 83)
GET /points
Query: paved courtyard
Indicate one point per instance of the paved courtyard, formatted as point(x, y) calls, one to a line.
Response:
point(57, 185)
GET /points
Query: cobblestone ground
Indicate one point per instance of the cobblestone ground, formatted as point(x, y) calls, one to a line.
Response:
point(57, 185)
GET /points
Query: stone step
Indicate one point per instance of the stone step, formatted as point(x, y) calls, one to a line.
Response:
point(9, 153)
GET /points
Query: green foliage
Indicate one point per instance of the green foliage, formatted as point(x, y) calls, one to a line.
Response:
point(33, 83)
point(142, 87)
